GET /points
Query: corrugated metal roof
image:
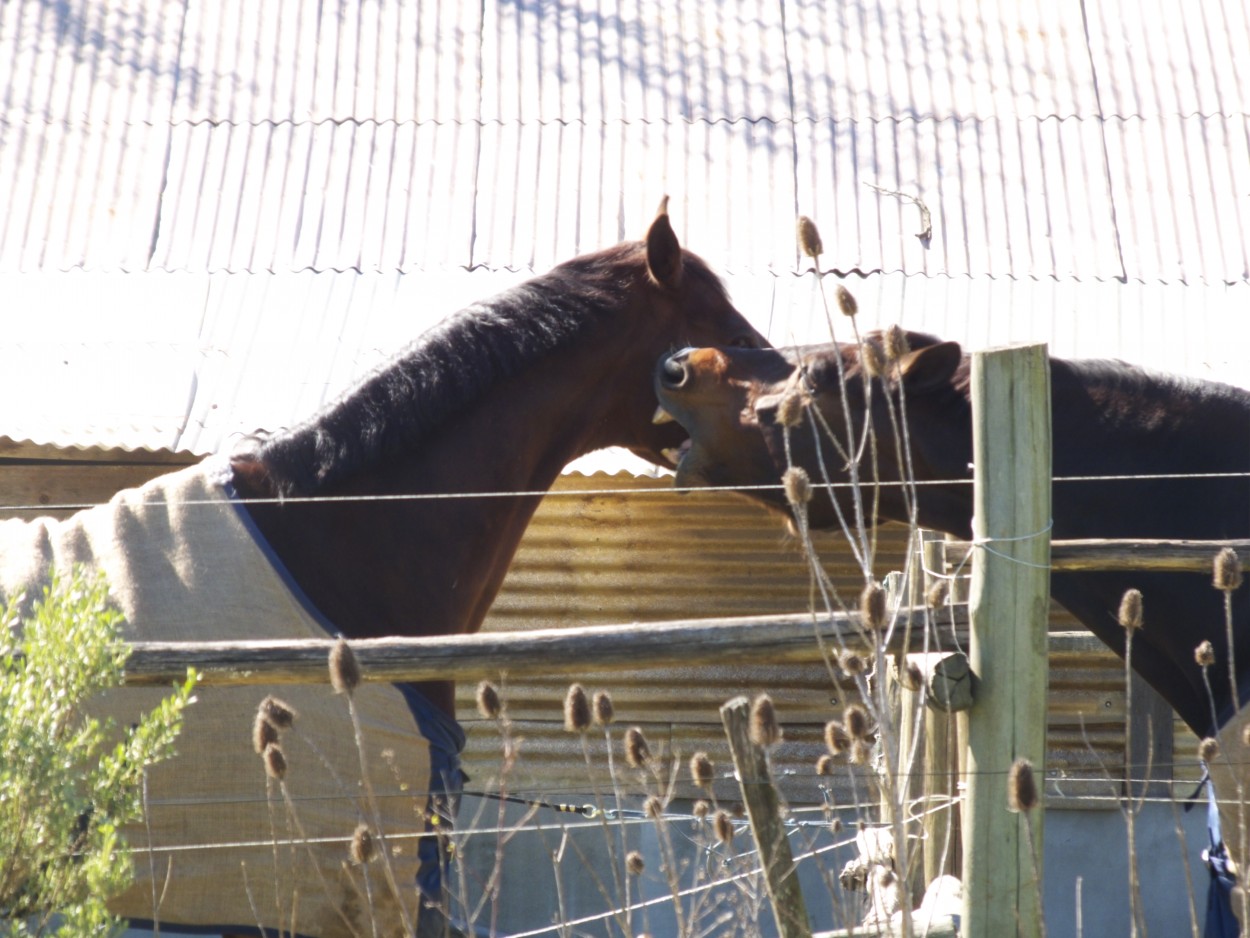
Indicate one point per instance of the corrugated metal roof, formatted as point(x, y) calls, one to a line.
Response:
point(1090, 141)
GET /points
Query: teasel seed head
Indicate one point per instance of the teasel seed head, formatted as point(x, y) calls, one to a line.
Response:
point(872, 358)
point(1204, 654)
point(724, 827)
point(837, 739)
point(701, 809)
point(797, 485)
point(275, 761)
point(344, 668)
point(263, 733)
point(1021, 786)
point(604, 712)
point(872, 606)
point(855, 721)
point(634, 863)
point(577, 716)
point(895, 340)
point(861, 752)
point(765, 730)
point(363, 847)
point(835, 825)
point(846, 301)
point(637, 752)
point(1130, 610)
point(277, 712)
point(488, 703)
point(809, 238)
point(790, 409)
point(1227, 570)
point(938, 593)
point(702, 770)
point(653, 807)
point(851, 663)
point(1208, 750)
point(824, 765)
point(910, 676)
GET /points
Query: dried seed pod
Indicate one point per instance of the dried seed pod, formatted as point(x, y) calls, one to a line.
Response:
point(872, 606)
point(846, 301)
point(653, 807)
point(851, 663)
point(576, 709)
point(895, 340)
point(1227, 570)
point(824, 765)
point(604, 712)
point(724, 827)
point(488, 703)
point(702, 770)
point(263, 733)
point(344, 668)
point(790, 409)
point(1021, 786)
point(362, 848)
point(634, 863)
point(1208, 750)
point(1130, 615)
point(765, 730)
point(637, 752)
point(1204, 654)
point(809, 237)
point(872, 358)
point(701, 809)
point(861, 752)
point(835, 826)
point(275, 761)
point(938, 593)
point(910, 676)
point(797, 485)
point(277, 712)
point(837, 739)
point(855, 721)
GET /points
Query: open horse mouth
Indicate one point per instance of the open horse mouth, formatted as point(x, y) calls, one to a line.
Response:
point(673, 454)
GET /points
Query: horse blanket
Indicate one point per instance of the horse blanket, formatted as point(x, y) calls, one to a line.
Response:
point(221, 849)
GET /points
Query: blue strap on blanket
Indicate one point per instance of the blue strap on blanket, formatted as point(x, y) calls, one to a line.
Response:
point(447, 739)
point(1221, 923)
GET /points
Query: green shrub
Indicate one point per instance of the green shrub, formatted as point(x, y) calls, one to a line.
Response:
point(66, 784)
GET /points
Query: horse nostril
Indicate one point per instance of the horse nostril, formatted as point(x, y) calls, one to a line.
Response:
point(675, 373)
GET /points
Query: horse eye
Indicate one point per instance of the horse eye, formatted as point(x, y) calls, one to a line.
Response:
point(742, 341)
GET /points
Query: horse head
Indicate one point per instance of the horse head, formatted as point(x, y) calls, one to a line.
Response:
point(677, 301)
point(841, 412)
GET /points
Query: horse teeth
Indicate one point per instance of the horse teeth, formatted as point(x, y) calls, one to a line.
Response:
point(672, 454)
point(661, 416)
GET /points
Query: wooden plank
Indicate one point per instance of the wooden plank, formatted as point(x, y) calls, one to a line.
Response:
point(764, 813)
point(1009, 605)
point(1161, 556)
point(749, 639)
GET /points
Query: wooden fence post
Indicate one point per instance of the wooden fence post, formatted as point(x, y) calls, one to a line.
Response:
point(764, 813)
point(1008, 643)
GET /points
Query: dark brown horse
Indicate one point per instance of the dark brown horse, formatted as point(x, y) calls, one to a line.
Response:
point(498, 398)
point(1109, 419)
point(393, 512)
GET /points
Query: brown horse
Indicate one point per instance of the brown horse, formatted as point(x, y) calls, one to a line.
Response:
point(393, 512)
point(1109, 419)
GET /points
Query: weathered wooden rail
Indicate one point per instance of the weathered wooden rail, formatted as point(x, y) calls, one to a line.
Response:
point(748, 639)
point(1160, 556)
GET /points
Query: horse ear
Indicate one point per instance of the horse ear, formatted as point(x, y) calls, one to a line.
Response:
point(663, 250)
point(931, 367)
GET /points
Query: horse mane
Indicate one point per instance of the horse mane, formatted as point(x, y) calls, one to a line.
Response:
point(449, 368)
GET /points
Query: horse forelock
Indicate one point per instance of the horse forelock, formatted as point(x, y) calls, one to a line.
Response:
point(447, 369)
